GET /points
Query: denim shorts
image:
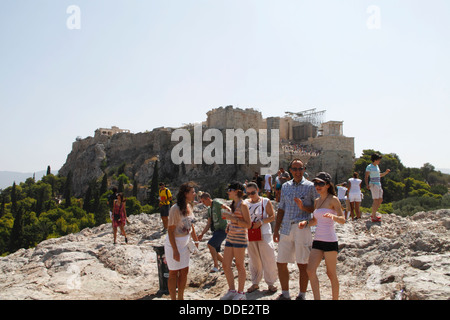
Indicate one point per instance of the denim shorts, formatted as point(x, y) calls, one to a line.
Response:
point(236, 245)
point(217, 239)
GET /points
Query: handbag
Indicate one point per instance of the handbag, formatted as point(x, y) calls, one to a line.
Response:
point(255, 234)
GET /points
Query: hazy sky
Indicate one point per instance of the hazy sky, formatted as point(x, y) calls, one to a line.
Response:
point(382, 67)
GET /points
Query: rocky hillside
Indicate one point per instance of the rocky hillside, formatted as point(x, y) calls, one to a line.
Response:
point(405, 258)
point(92, 157)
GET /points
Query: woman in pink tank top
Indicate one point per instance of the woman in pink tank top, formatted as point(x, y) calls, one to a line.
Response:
point(327, 211)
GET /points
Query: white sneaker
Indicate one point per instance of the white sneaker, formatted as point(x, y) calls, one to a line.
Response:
point(240, 296)
point(229, 295)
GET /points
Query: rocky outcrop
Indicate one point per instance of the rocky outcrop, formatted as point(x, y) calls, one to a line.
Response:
point(92, 157)
point(399, 258)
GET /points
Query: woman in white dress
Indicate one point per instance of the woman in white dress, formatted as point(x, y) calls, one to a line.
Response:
point(354, 196)
point(176, 246)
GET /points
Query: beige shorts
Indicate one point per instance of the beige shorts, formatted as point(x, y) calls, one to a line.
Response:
point(296, 246)
point(354, 197)
point(377, 191)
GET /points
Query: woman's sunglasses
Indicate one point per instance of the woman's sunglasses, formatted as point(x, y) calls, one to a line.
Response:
point(252, 193)
point(319, 183)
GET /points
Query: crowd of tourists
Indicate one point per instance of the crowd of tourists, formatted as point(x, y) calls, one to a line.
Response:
point(250, 225)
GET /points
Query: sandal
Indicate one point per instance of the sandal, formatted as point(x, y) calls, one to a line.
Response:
point(272, 289)
point(254, 287)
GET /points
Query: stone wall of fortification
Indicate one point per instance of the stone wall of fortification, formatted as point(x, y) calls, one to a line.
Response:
point(235, 118)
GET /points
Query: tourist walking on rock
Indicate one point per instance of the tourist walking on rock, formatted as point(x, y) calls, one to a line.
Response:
point(217, 226)
point(373, 171)
point(325, 245)
point(260, 246)
point(111, 198)
point(119, 216)
point(354, 196)
point(294, 244)
point(236, 241)
point(165, 197)
point(176, 246)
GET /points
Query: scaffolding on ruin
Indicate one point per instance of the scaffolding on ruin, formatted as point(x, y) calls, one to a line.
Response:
point(311, 115)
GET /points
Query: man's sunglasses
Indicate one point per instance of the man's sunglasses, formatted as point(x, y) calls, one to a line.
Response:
point(298, 169)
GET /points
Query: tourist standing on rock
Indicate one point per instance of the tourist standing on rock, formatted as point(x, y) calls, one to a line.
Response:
point(354, 196)
point(165, 197)
point(260, 246)
point(218, 227)
point(373, 171)
point(236, 241)
point(176, 246)
point(342, 192)
point(111, 198)
point(268, 184)
point(328, 210)
point(282, 177)
point(119, 216)
point(294, 244)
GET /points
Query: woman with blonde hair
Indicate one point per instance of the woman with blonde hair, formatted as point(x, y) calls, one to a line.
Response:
point(261, 249)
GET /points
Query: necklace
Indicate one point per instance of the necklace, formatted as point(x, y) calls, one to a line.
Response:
point(256, 200)
point(318, 207)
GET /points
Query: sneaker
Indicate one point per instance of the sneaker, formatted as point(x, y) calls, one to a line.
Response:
point(240, 296)
point(229, 295)
point(282, 297)
point(300, 297)
point(214, 270)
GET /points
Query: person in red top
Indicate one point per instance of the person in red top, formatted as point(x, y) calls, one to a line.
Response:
point(119, 216)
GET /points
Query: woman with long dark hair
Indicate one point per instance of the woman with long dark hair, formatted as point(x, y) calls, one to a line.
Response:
point(119, 216)
point(180, 229)
point(325, 244)
point(236, 241)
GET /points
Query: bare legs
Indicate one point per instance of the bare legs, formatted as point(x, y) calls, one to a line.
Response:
point(330, 260)
point(238, 254)
point(177, 278)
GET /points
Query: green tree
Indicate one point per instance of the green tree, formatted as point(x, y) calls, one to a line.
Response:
point(153, 195)
point(104, 186)
point(16, 239)
point(68, 190)
point(133, 206)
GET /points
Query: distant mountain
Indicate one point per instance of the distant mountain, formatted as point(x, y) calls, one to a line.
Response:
point(7, 178)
